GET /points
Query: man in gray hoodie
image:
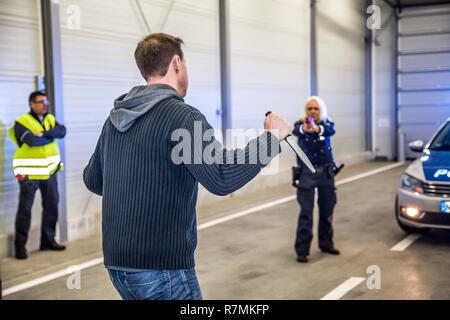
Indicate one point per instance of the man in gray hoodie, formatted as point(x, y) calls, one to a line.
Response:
point(149, 226)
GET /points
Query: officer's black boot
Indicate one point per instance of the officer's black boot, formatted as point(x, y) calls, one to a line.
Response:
point(21, 253)
point(331, 251)
point(302, 258)
point(52, 245)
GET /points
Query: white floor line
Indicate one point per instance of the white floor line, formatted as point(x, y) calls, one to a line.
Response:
point(343, 289)
point(293, 197)
point(405, 243)
point(50, 277)
point(245, 212)
point(369, 173)
point(202, 226)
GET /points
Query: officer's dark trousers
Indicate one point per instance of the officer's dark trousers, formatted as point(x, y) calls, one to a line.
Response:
point(324, 182)
point(49, 192)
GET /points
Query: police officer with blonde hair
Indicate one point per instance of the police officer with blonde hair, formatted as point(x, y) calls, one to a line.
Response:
point(314, 130)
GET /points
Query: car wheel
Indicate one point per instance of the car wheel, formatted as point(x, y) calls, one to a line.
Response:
point(404, 227)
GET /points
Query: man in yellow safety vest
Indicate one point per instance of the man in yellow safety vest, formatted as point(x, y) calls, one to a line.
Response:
point(35, 165)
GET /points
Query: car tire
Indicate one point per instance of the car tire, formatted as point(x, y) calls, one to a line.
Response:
point(405, 228)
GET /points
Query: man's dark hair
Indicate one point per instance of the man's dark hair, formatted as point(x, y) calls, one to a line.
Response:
point(154, 53)
point(35, 94)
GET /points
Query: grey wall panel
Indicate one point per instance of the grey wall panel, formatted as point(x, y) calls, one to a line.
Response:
point(20, 61)
point(424, 62)
point(431, 115)
point(427, 43)
point(407, 98)
point(340, 58)
point(98, 66)
point(384, 60)
point(438, 23)
point(197, 23)
point(424, 80)
point(420, 11)
point(269, 48)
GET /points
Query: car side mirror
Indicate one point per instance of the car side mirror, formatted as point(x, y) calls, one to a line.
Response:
point(416, 146)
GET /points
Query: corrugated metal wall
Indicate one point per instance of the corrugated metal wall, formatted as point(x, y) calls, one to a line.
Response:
point(424, 72)
point(269, 48)
point(341, 69)
point(384, 84)
point(98, 66)
point(20, 61)
point(269, 44)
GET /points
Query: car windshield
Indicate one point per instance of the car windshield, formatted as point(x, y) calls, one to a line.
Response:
point(442, 140)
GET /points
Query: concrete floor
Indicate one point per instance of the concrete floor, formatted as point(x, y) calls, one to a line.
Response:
point(252, 257)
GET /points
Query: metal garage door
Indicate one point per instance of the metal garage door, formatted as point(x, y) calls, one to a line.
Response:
point(424, 72)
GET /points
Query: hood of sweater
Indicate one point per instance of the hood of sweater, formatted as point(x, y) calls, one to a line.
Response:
point(130, 106)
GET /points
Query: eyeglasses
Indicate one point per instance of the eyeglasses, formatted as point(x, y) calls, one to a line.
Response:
point(313, 108)
point(42, 102)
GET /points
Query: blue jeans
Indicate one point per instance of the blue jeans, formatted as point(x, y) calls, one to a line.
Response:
point(157, 284)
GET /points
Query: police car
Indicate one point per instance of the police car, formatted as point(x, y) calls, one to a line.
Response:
point(423, 199)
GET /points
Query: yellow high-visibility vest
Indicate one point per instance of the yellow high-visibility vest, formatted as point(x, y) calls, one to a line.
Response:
point(38, 162)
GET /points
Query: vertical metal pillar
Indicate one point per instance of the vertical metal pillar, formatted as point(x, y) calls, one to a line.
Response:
point(54, 90)
point(368, 81)
point(225, 79)
point(399, 138)
point(313, 49)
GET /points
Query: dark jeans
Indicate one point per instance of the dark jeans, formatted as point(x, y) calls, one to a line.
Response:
point(49, 192)
point(324, 182)
point(157, 284)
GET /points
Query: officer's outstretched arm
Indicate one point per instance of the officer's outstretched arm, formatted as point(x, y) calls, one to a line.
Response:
point(328, 129)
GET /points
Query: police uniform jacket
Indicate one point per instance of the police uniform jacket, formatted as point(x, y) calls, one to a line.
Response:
point(316, 145)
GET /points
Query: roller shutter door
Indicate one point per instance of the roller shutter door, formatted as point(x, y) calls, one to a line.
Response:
point(424, 72)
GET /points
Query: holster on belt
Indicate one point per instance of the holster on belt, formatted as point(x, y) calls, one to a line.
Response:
point(296, 176)
point(337, 168)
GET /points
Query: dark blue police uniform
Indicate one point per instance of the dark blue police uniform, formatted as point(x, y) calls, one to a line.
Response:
point(317, 147)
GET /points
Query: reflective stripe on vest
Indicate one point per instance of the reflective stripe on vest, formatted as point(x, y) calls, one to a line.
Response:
point(26, 167)
point(36, 162)
point(27, 171)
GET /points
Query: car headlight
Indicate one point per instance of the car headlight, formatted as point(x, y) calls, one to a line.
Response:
point(411, 183)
